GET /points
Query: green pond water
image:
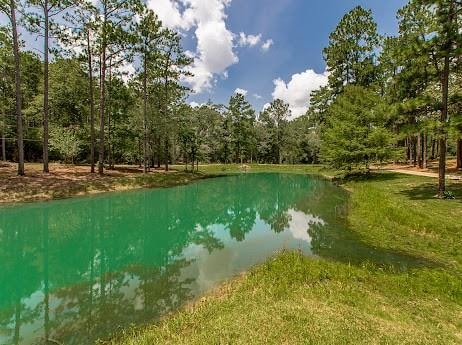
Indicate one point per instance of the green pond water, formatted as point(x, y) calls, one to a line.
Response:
point(80, 270)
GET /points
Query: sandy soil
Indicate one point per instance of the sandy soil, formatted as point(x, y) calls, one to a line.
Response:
point(62, 181)
point(432, 171)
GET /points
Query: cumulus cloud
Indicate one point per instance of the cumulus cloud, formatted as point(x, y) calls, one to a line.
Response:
point(267, 44)
point(215, 42)
point(249, 40)
point(169, 12)
point(241, 91)
point(214, 53)
point(298, 90)
point(196, 105)
point(266, 106)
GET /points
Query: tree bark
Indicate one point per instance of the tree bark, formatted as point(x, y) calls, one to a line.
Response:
point(109, 119)
point(425, 151)
point(92, 104)
point(45, 89)
point(3, 141)
point(102, 95)
point(18, 92)
point(145, 115)
point(443, 119)
point(419, 151)
point(459, 154)
point(166, 148)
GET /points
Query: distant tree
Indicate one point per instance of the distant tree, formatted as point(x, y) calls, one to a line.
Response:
point(42, 22)
point(79, 42)
point(242, 117)
point(350, 55)
point(172, 68)
point(115, 39)
point(275, 118)
point(355, 134)
point(149, 35)
point(433, 50)
point(9, 9)
point(66, 141)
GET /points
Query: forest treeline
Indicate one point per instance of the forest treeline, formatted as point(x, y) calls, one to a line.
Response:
point(388, 98)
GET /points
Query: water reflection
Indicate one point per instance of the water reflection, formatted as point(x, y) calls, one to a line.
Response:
point(77, 270)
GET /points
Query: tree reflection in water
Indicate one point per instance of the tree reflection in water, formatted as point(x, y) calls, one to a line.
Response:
point(77, 270)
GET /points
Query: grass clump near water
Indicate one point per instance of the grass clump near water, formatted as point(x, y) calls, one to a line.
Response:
point(411, 293)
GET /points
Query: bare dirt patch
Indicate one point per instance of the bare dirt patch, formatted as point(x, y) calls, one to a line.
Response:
point(66, 181)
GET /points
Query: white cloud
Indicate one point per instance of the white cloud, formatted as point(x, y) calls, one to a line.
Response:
point(300, 223)
point(196, 105)
point(169, 13)
point(241, 91)
point(267, 44)
point(214, 53)
point(249, 40)
point(257, 96)
point(266, 106)
point(298, 90)
point(215, 42)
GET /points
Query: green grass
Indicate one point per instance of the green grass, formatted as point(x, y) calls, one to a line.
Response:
point(252, 168)
point(292, 299)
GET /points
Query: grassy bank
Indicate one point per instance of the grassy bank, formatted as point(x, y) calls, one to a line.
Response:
point(296, 300)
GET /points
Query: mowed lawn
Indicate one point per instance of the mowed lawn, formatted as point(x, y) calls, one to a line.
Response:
point(410, 293)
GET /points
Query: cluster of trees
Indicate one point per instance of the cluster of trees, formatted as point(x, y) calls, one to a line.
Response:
point(393, 98)
point(75, 103)
point(388, 98)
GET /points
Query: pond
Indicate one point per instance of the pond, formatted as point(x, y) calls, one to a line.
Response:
point(81, 269)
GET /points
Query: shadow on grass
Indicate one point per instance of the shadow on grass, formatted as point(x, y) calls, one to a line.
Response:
point(346, 246)
point(376, 176)
point(428, 191)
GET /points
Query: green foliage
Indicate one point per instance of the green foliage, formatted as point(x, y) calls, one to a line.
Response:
point(275, 119)
point(350, 55)
point(66, 141)
point(355, 135)
point(449, 195)
point(241, 116)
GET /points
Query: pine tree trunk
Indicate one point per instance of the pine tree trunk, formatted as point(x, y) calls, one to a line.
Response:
point(419, 151)
point(3, 145)
point(459, 154)
point(109, 119)
point(18, 92)
point(425, 151)
point(443, 119)
point(92, 104)
point(102, 95)
point(45, 90)
point(145, 116)
point(408, 151)
point(158, 151)
point(166, 148)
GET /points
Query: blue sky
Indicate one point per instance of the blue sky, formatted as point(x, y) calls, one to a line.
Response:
point(299, 30)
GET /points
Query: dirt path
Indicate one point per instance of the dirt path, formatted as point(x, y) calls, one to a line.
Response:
point(425, 173)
